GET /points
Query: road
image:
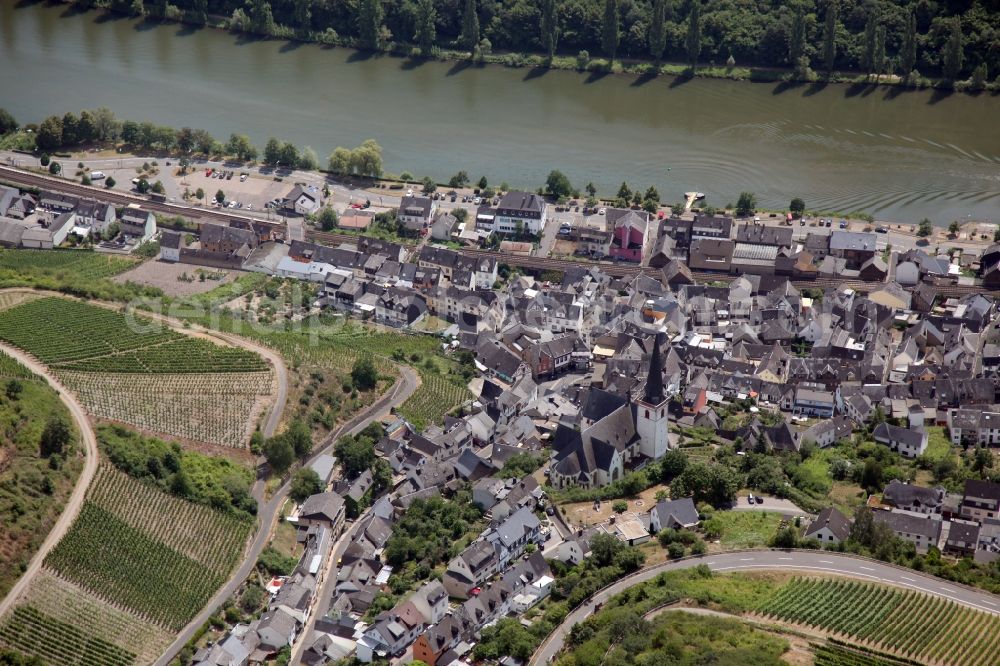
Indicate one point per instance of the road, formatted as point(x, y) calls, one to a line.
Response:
point(804, 561)
point(403, 389)
point(75, 501)
point(321, 600)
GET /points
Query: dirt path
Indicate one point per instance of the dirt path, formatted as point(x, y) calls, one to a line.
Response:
point(75, 501)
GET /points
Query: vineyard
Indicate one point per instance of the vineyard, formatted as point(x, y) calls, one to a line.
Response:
point(188, 528)
point(82, 264)
point(905, 623)
point(10, 367)
point(32, 632)
point(131, 370)
point(65, 602)
point(216, 408)
point(436, 397)
point(9, 299)
point(125, 566)
point(831, 654)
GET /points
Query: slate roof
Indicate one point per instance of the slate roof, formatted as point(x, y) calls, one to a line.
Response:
point(833, 519)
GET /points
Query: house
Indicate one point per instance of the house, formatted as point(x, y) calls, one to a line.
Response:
point(512, 535)
point(415, 213)
point(908, 442)
point(963, 538)
point(450, 263)
point(969, 426)
point(980, 501)
point(853, 246)
point(673, 514)
point(813, 402)
point(439, 639)
point(400, 308)
point(51, 236)
point(922, 532)
point(762, 234)
point(828, 431)
point(629, 531)
point(276, 629)
point(225, 239)
point(137, 224)
point(711, 254)
point(323, 509)
point(914, 499)
point(891, 295)
point(830, 526)
point(432, 601)
point(470, 568)
point(873, 270)
point(170, 246)
point(520, 212)
point(443, 227)
point(630, 233)
point(303, 200)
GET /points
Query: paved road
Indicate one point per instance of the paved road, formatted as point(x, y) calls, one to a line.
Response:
point(403, 389)
point(75, 501)
point(805, 561)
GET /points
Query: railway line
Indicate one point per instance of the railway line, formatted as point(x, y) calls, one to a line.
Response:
point(541, 264)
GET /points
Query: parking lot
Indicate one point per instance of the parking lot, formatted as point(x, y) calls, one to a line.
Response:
point(251, 192)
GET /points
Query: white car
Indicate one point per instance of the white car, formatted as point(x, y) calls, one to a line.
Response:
point(96, 175)
point(243, 178)
point(477, 200)
point(232, 204)
point(409, 192)
point(602, 211)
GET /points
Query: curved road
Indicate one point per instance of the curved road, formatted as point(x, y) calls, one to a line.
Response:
point(804, 561)
point(75, 501)
point(401, 390)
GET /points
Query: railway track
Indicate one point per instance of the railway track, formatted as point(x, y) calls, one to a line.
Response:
point(30, 179)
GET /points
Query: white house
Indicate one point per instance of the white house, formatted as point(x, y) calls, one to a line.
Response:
point(830, 526)
point(520, 211)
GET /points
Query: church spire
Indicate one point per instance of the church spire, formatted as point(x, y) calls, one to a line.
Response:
point(654, 378)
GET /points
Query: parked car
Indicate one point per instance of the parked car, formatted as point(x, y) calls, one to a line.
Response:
point(477, 200)
point(96, 175)
point(881, 230)
point(843, 224)
point(602, 211)
point(828, 222)
point(750, 499)
point(243, 177)
point(760, 500)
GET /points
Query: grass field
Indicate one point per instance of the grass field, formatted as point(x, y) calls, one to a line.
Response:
point(33, 489)
point(127, 369)
point(938, 445)
point(743, 529)
point(906, 623)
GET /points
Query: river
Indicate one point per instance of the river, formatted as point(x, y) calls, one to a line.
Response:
point(900, 157)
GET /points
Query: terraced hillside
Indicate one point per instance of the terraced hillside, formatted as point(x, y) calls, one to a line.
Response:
point(129, 369)
point(134, 568)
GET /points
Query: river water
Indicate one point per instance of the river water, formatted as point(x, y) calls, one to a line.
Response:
point(900, 157)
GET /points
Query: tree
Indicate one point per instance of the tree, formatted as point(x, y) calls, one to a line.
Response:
point(925, 228)
point(672, 464)
point(871, 37)
point(7, 122)
point(272, 151)
point(280, 453)
point(289, 155)
point(797, 207)
point(549, 27)
point(609, 31)
point(657, 30)
point(261, 18)
point(199, 194)
point(340, 161)
point(13, 389)
point(951, 59)
point(429, 186)
point(69, 137)
point(328, 219)
point(693, 41)
point(469, 38)
point(871, 476)
point(299, 436)
point(619, 506)
point(978, 80)
point(158, 187)
point(50, 133)
point(746, 204)
point(305, 482)
point(54, 168)
point(797, 39)
point(954, 227)
point(591, 190)
point(460, 179)
point(364, 374)
point(982, 460)
point(557, 184)
point(366, 159)
point(712, 483)
point(220, 196)
point(308, 160)
point(355, 454)
point(185, 139)
point(302, 17)
point(55, 438)
point(426, 28)
point(879, 57)
point(908, 52)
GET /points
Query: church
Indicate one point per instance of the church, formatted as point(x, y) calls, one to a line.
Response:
point(616, 433)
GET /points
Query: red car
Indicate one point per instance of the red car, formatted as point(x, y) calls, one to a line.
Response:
point(208, 172)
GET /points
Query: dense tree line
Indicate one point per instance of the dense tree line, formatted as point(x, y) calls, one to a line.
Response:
point(952, 39)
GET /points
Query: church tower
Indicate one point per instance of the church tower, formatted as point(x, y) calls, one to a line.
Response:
point(651, 414)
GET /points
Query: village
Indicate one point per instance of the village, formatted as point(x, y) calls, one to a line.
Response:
point(724, 350)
